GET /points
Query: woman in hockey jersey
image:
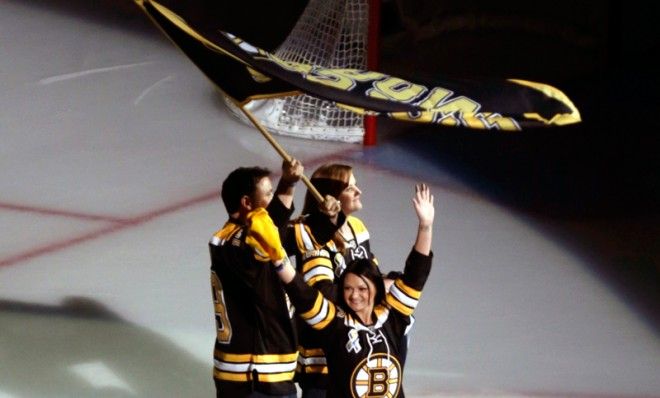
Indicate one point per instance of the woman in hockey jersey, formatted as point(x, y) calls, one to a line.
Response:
point(362, 334)
point(352, 237)
point(321, 258)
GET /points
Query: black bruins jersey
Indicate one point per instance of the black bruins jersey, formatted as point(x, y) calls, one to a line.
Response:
point(320, 262)
point(255, 347)
point(364, 361)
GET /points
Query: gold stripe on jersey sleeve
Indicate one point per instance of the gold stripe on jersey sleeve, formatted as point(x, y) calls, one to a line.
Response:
point(315, 308)
point(414, 293)
point(317, 262)
point(399, 306)
point(311, 360)
point(329, 317)
point(311, 352)
point(318, 369)
point(318, 278)
point(321, 313)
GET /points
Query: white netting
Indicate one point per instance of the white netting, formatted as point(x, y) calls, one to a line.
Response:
point(329, 33)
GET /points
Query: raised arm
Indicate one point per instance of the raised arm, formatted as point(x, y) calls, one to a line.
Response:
point(423, 204)
point(281, 207)
point(291, 173)
point(263, 236)
point(404, 294)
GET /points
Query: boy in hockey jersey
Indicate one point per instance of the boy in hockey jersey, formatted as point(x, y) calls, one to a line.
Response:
point(255, 350)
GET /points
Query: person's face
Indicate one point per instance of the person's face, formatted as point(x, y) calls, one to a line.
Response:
point(350, 197)
point(359, 294)
point(263, 194)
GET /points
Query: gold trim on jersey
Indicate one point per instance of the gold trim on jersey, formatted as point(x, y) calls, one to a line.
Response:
point(305, 239)
point(318, 369)
point(407, 290)
point(271, 368)
point(256, 358)
point(359, 229)
point(315, 308)
point(316, 270)
point(402, 297)
point(316, 279)
point(317, 262)
point(382, 313)
point(263, 377)
point(378, 375)
point(310, 352)
point(229, 230)
point(321, 313)
point(311, 360)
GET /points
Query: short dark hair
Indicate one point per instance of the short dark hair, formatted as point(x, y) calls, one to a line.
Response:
point(366, 269)
point(240, 182)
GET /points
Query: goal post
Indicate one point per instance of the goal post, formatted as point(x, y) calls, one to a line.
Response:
point(333, 34)
point(373, 56)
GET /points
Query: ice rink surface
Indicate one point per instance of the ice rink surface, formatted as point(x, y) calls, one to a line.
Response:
point(113, 149)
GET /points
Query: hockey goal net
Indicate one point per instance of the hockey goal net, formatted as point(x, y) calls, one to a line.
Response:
point(329, 33)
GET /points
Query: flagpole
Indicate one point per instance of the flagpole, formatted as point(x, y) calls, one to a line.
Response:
point(281, 152)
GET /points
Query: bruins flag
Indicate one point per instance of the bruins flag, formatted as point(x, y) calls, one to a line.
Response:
point(245, 72)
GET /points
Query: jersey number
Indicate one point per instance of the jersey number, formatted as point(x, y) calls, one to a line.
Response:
point(221, 317)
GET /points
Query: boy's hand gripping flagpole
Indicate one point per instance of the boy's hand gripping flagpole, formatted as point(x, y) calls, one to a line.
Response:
point(281, 151)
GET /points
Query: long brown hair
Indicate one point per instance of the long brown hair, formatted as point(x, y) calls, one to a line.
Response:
point(328, 179)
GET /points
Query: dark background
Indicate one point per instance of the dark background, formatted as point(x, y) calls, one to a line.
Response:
point(594, 185)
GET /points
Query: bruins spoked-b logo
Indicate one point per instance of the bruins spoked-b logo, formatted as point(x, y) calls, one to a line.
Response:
point(376, 376)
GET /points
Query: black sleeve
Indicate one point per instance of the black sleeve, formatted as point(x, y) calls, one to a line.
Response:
point(310, 304)
point(321, 226)
point(406, 290)
point(418, 267)
point(301, 294)
point(279, 213)
point(329, 289)
point(288, 237)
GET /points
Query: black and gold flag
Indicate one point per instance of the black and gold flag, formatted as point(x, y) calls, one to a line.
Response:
point(245, 72)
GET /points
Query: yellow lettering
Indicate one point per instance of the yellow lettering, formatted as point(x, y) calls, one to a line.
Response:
point(460, 105)
point(344, 79)
point(495, 120)
point(447, 120)
point(331, 78)
point(396, 89)
point(223, 326)
point(435, 97)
